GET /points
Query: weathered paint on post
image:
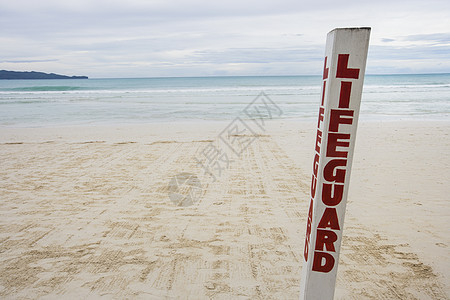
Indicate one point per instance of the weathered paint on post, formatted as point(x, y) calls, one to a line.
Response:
point(343, 76)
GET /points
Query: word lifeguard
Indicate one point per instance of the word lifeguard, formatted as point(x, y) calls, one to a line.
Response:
point(335, 153)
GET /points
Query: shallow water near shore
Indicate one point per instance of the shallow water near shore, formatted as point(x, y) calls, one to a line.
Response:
point(43, 103)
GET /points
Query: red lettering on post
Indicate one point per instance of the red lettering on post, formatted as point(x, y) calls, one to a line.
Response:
point(330, 198)
point(313, 186)
point(329, 219)
point(330, 175)
point(323, 92)
point(308, 230)
point(334, 142)
point(321, 112)
point(318, 140)
point(325, 69)
point(342, 68)
point(316, 164)
point(338, 116)
point(325, 238)
point(344, 95)
point(326, 258)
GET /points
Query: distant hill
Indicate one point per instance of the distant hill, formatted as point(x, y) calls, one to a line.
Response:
point(35, 75)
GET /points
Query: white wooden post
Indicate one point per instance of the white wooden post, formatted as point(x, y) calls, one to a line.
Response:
point(343, 76)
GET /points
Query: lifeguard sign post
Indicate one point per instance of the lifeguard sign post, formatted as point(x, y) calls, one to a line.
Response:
point(343, 76)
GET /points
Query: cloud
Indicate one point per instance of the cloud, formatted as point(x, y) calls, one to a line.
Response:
point(114, 38)
point(28, 61)
point(259, 55)
point(441, 38)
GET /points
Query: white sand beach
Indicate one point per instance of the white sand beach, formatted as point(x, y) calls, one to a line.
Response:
point(85, 212)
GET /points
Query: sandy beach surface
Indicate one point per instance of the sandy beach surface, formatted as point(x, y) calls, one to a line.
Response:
point(88, 212)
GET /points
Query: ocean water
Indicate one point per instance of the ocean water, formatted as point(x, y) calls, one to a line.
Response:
point(41, 103)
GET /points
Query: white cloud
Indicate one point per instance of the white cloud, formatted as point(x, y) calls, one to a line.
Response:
point(105, 38)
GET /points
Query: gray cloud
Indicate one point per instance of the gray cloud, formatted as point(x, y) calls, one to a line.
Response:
point(27, 61)
point(433, 37)
point(259, 55)
point(115, 38)
point(422, 52)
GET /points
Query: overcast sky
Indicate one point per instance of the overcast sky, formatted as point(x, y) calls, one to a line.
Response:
point(138, 38)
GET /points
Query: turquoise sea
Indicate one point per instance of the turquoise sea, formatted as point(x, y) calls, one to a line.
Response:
point(42, 103)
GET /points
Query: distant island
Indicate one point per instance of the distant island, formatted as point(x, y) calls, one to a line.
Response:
point(35, 75)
